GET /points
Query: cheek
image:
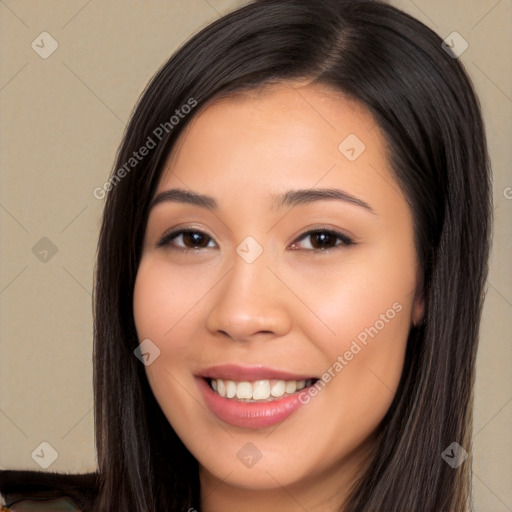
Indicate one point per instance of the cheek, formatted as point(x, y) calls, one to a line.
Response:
point(150, 302)
point(160, 306)
point(165, 298)
point(163, 306)
point(362, 289)
point(168, 308)
point(361, 322)
point(365, 312)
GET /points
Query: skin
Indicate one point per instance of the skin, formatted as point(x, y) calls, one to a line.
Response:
point(293, 308)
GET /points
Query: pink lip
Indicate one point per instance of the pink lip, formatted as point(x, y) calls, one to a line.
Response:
point(248, 373)
point(251, 415)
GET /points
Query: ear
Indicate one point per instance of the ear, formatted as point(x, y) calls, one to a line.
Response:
point(418, 309)
point(418, 305)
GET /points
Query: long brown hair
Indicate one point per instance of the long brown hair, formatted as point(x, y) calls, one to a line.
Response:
point(424, 103)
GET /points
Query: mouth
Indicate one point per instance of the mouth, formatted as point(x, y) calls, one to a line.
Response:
point(265, 390)
point(252, 397)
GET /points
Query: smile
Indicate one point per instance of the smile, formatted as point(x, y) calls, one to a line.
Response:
point(258, 391)
point(252, 397)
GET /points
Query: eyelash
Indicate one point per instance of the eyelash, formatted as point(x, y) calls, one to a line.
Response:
point(345, 240)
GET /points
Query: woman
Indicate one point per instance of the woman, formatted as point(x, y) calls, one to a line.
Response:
point(290, 270)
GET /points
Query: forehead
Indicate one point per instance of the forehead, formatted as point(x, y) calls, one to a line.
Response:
point(293, 133)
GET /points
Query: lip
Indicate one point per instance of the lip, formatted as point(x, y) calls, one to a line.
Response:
point(248, 415)
point(249, 373)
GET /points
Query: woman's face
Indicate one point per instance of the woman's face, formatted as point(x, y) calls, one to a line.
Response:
point(300, 267)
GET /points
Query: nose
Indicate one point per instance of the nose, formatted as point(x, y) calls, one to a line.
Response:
point(250, 302)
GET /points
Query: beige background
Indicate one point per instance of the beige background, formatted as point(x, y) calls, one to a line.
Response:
point(62, 120)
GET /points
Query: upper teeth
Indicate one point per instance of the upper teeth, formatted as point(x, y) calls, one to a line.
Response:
point(258, 390)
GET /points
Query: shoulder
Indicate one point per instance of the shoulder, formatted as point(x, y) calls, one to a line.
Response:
point(76, 490)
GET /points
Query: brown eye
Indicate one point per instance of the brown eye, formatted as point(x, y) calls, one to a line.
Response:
point(323, 240)
point(186, 239)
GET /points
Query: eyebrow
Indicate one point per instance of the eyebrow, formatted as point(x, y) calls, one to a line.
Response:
point(290, 198)
point(297, 197)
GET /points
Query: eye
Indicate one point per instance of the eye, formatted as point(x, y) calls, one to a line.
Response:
point(321, 240)
point(186, 239)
